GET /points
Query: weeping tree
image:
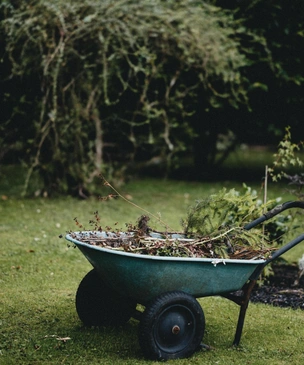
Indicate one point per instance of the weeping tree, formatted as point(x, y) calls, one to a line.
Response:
point(94, 86)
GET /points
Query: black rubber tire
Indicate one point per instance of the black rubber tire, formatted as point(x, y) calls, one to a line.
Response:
point(98, 305)
point(171, 327)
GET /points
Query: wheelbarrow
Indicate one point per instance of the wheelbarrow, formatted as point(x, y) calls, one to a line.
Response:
point(172, 323)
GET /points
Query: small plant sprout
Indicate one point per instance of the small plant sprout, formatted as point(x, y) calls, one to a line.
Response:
point(285, 157)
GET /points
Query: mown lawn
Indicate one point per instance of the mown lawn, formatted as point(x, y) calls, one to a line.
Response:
point(39, 276)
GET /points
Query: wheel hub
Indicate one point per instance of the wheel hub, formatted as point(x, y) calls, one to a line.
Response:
point(176, 329)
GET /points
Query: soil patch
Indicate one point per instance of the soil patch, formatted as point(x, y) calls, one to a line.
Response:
point(282, 289)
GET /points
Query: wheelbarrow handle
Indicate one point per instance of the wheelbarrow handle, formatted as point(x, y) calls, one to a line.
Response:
point(285, 248)
point(275, 255)
point(271, 213)
point(276, 210)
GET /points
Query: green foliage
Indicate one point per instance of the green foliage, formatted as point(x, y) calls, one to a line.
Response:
point(220, 210)
point(285, 157)
point(98, 86)
point(102, 83)
point(227, 209)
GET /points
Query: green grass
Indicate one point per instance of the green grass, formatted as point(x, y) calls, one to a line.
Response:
point(39, 276)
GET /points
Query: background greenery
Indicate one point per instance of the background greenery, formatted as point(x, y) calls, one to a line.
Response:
point(120, 86)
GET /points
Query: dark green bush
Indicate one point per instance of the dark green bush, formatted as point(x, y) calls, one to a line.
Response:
point(91, 86)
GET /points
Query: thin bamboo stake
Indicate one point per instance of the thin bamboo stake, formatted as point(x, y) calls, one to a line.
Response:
point(265, 186)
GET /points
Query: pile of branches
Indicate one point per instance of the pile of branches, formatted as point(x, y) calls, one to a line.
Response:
point(235, 243)
point(213, 228)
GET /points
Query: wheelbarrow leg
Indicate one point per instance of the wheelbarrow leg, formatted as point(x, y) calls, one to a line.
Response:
point(244, 305)
point(243, 302)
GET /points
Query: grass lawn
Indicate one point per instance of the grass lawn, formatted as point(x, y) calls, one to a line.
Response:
point(39, 276)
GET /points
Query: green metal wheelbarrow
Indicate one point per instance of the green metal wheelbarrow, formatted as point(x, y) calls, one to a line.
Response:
point(172, 323)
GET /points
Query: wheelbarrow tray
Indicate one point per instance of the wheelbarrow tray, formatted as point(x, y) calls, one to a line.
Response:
point(143, 277)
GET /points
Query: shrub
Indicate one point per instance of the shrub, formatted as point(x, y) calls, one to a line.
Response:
point(94, 85)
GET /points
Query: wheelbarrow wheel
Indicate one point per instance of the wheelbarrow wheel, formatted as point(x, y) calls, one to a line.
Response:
point(172, 327)
point(98, 305)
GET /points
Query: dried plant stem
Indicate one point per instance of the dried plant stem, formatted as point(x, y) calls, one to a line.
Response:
point(106, 183)
point(202, 241)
